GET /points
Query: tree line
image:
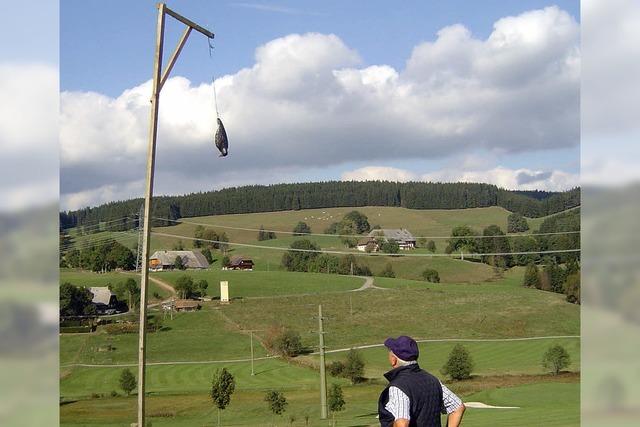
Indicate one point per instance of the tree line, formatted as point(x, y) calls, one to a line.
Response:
point(313, 195)
point(101, 257)
point(494, 241)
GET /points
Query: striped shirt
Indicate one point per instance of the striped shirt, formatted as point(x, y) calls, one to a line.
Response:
point(399, 403)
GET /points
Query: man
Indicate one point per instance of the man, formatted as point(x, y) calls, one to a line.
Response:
point(414, 397)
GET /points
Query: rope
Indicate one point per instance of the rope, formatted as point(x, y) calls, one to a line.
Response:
point(213, 80)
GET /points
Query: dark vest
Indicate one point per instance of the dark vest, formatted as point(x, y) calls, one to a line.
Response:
point(425, 394)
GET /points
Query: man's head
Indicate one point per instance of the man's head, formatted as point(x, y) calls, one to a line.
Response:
point(402, 350)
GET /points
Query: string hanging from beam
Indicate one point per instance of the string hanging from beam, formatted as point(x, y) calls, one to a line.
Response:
point(220, 139)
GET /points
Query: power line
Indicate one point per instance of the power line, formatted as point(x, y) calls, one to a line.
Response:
point(98, 241)
point(360, 235)
point(334, 252)
point(98, 224)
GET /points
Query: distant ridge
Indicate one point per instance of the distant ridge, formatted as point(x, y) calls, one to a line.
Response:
point(313, 195)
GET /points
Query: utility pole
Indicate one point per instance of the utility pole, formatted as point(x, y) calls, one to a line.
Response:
point(350, 306)
point(323, 377)
point(159, 78)
point(140, 239)
point(252, 371)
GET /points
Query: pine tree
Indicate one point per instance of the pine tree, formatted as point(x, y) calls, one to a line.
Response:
point(531, 276)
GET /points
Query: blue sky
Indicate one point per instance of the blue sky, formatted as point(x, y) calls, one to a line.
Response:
point(414, 90)
point(108, 46)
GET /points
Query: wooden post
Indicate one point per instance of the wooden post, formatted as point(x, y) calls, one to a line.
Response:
point(158, 80)
point(323, 377)
point(252, 371)
point(144, 269)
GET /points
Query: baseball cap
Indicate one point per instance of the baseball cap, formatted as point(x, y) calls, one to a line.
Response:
point(403, 347)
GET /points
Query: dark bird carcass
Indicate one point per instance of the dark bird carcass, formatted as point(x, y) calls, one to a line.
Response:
point(221, 141)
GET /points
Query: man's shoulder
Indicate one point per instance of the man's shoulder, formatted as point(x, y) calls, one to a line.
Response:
point(419, 375)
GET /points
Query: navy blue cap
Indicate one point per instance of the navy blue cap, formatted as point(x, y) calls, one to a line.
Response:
point(404, 347)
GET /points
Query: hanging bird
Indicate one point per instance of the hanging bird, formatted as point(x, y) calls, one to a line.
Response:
point(222, 143)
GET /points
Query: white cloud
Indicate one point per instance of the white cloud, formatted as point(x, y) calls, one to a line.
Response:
point(611, 89)
point(512, 179)
point(28, 135)
point(379, 173)
point(306, 104)
point(29, 103)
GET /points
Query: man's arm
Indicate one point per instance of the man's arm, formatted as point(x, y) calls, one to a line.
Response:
point(399, 407)
point(453, 407)
point(455, 418)
point(401, 422)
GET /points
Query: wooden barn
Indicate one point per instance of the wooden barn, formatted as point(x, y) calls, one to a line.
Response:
point(238, 262)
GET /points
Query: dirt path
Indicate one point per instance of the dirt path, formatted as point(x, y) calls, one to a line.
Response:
point(164, 285)
point(368, 284)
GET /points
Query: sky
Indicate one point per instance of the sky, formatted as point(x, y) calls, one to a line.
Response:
point(484, 91)
point(29, 92)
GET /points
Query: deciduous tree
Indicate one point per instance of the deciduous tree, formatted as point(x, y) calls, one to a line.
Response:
point(223, 385)
point(556, 358)
point(127, 381)
point(459, 365)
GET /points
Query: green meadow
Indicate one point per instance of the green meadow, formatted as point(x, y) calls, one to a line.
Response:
point(239, 229)
point(489, 312)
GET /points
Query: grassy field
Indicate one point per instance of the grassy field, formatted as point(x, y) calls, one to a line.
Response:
point(213, 337)
point(266, 283)
point(472, 303)
point(434, 311)
point(419, 222)
point(553, 402)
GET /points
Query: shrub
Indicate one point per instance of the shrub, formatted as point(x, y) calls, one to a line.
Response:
point(572, 288)
point(390, 247)
point(114, 393)
point(388, 271)
point(336, 368)
point(459, 365)
point(297, 260)
point(555, 359)
point(301, 228)
point(531, 277)
point(284, 341)
point(354, 366)
point(121, 328)
point(431, 275)
point(75, 329)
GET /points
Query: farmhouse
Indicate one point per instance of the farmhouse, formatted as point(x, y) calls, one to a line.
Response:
point(165, 260)
point(186, 305)
point(104, 300)
point(238, 262)
point(401, 235)
point(368, 244)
